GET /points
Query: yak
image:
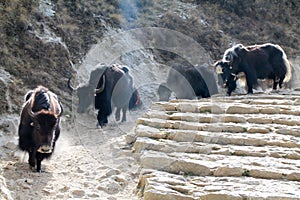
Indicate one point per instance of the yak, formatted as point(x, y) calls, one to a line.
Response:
point(115, 89)
point(187, 83)
point(39, 126)
point(225, 78)
point(85, 93)
point(265, 61)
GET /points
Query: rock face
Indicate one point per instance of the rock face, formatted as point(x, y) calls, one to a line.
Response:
point(239, 147)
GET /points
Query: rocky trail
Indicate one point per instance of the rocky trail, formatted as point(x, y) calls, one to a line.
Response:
point(239, 147)
point(88, 163)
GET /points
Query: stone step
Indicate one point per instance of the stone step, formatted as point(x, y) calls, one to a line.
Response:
point(212, 134)
point(168, 146)
point(228, 108)
point(167, 186)
point(226, 118)
point(221, 165)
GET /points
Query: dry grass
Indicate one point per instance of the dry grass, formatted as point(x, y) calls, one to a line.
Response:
point(80, 25)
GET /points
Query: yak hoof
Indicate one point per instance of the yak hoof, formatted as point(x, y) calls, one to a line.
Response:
point(100, 125)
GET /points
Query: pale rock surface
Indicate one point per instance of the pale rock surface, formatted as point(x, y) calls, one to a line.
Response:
point(239, 149)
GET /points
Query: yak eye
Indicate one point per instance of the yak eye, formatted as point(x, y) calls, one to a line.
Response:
point(228, 57)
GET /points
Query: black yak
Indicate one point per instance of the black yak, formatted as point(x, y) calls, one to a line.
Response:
point(187, 83)
point(39, 126)
point(85, 93)
point(115, 89)
point(266, 61)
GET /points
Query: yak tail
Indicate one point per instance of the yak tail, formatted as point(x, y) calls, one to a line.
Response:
point(288, 66)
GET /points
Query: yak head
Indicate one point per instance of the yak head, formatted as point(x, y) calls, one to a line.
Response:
point(233, 57)
point(85, 96)
point(44, 125)
point(225, 76)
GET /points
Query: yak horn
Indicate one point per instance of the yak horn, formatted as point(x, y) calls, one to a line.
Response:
point(31, 113)
point(61, 109)
point(235, 76)
point(99, 90)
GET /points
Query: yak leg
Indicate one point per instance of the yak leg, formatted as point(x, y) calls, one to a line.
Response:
point(280, 82)
point(102, 119)
point(38, 165)
point(275, 83)
point(117, 114)
point(124, 114)
point(39, 158)
point(31, 159)
point(249, 86)
point(250, 89)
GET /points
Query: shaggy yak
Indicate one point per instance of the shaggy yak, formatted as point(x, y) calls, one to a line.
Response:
point(266, 61)
point(187, 83)
point(115, 89)
point(39, 126)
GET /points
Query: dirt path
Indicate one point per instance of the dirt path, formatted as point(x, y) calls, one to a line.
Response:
point(88, 163)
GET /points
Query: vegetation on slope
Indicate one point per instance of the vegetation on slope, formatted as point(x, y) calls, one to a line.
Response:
point(37, 48)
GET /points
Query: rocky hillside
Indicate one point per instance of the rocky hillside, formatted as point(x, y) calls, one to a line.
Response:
point(42, 41)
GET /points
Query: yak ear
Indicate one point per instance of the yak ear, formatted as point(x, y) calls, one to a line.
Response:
point(217, 63)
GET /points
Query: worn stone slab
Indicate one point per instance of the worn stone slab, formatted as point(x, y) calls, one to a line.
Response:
point(242, 109)
point(168, 146)
point(148, 131)
point(215, 109)
point(289, 131)
point(161, 185)
point(156, 114)
point(221, 165)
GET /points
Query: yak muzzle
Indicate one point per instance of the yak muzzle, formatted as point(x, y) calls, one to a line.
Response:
point(45, 149)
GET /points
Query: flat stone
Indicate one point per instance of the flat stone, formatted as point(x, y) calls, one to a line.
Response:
point(157, 123)
point(220, 196)
point(259, 120)
point(234, 119)
point(163, 106)
point(293, 176)
point(148, 131)
point(78, 193)
point(155, 195)
point(187, 107)
point(288, 122)
point(211, 109)
point(228, 171)
point(236, 109)
point(265, 174)
point(289, 131)
point(258, 130)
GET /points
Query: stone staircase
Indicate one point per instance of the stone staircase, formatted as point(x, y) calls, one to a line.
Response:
point(235, 148)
